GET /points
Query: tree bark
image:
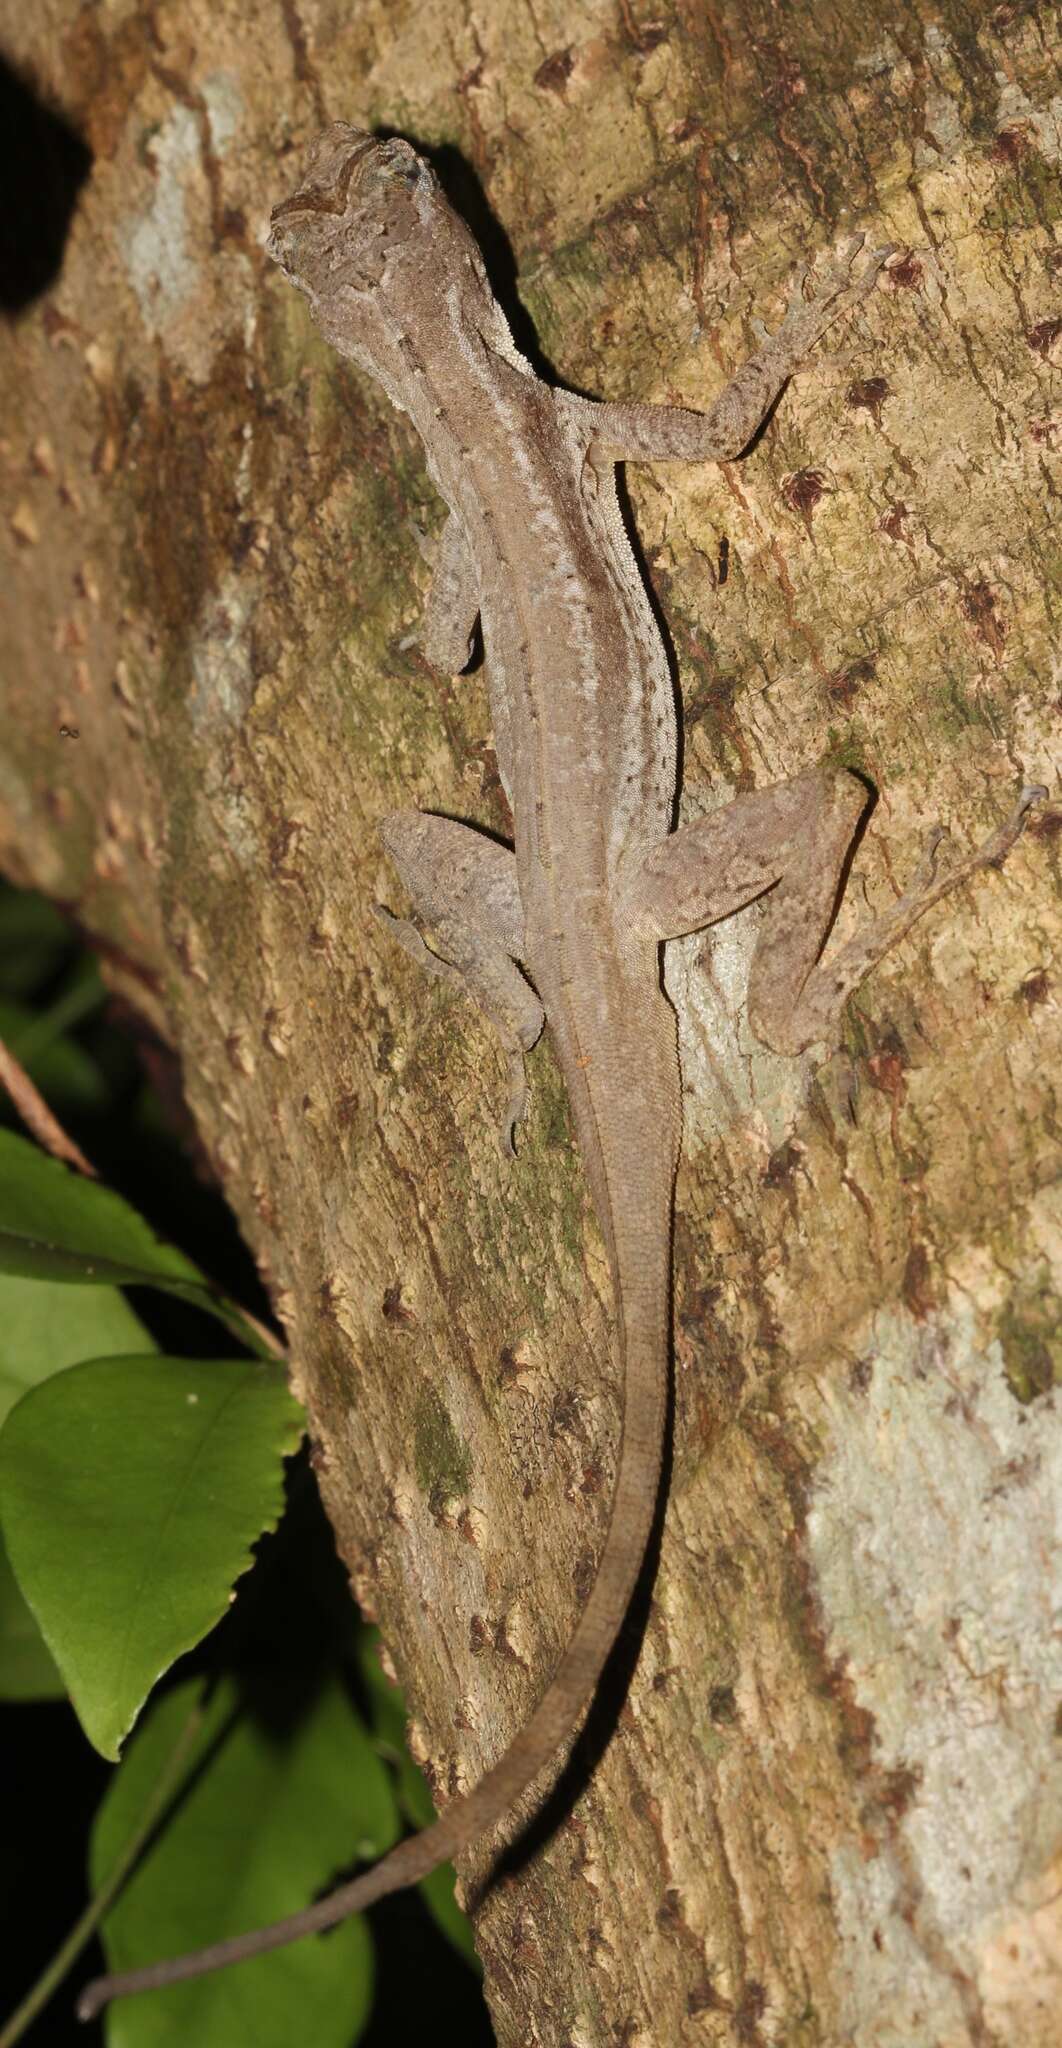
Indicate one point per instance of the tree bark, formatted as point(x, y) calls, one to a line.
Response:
point(825, 1803)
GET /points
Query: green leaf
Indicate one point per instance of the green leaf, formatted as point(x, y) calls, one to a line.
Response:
point(387, 1714)
point(27, 1670)
point(275, 1812)
point(131, 1490)
point(55, 1224)
point(45, 1326)
point(48, 1324)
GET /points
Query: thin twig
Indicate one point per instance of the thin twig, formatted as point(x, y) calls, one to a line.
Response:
point(166, 1784)
point(37, 1116)
point(272, 1344)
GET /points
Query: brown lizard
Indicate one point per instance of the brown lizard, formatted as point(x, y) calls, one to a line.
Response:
point(585, 734)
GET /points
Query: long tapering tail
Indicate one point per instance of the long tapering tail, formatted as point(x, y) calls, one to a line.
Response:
point(643, 1341)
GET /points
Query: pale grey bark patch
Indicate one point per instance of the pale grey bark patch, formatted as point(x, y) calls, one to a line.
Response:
point(934, 1539)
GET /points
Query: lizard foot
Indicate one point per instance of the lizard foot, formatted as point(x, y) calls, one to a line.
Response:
point(927, 886)
point(839, 282)
point(826, 991)
point(516, 1107)
point(410, 939)
point(837, 291)
point(518, 1032)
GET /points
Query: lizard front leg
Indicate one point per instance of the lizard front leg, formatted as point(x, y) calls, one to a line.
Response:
point(448, 625)
point(793, 840)
point(635, 433)
point(464, 889)
point(453, 603)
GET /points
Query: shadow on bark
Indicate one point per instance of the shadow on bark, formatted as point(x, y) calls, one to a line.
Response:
point(43, 164)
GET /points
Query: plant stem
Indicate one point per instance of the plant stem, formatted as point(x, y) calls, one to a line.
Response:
point(85, 1926)
point(36, 1114)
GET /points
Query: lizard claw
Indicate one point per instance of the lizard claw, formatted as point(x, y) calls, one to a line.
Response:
point(795, 303)
point(806, 320)
point(875, 264)
point(999, 846)
point(927, 868)
point(516, 1107)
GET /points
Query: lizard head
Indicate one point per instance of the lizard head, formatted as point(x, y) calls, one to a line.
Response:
point(369, 217)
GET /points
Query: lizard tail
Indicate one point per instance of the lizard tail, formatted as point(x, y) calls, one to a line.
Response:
point(644, 1317)
point(631, 1166)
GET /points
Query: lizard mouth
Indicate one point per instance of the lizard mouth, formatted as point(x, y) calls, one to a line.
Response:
point(358, 194)
point(337, 165)
point(328, 194)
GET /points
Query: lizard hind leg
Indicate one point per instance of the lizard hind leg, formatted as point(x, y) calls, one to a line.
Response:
point(792, 840)
point(464, 889)
point(829, 985)
point(453, 604)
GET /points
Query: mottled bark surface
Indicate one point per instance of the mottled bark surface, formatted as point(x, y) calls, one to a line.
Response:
point(830, 1805)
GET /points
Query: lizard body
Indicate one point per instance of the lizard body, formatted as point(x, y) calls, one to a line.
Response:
point(585, 732)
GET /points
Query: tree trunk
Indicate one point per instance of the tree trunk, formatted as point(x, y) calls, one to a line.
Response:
point(819, 1801)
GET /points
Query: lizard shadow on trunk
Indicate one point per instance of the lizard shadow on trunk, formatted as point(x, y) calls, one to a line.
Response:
point(464, 190)
point(605, 1708)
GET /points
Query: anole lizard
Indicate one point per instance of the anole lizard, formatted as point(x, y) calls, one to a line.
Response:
point(584, 729)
